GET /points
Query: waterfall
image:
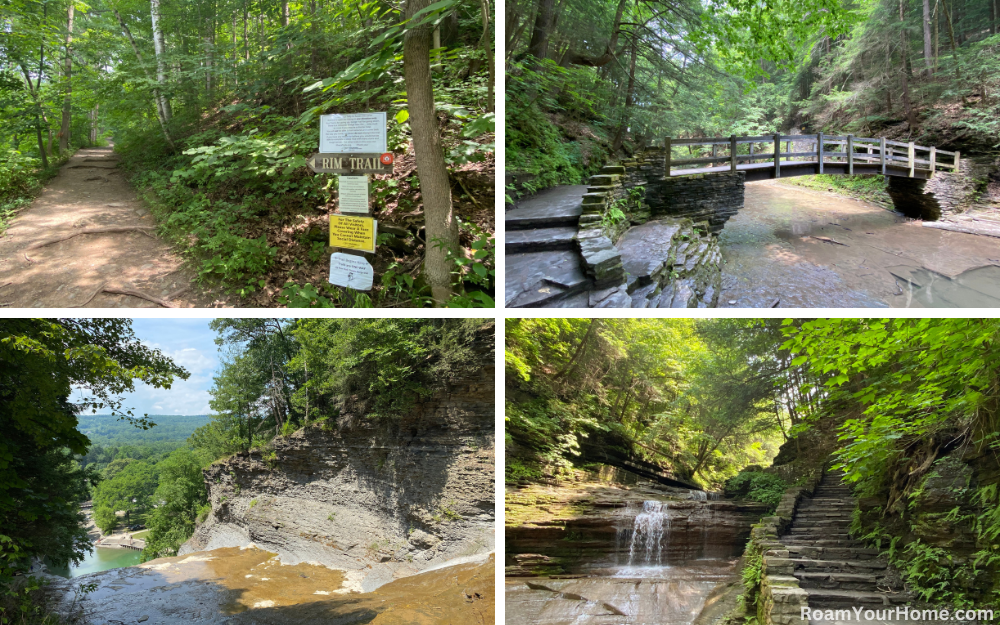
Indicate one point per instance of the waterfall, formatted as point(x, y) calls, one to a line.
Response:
point(698, 495)
point(647, 533)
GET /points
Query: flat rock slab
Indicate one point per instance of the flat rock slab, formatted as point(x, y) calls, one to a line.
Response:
point(644, 249)
point(542, 278)
point(554, 206)
point(558, 206)
point(540, 239)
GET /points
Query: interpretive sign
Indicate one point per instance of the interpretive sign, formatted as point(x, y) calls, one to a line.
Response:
point(369, 163)
point(354, 194)
point(355, 233)
point(353, 132)
point(353, 272)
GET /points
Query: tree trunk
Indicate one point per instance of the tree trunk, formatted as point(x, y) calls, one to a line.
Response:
point(487, 43)
point(539, 45)
point(246, 37)
point(629, 97)
point(954, 46)
point(936, 18)
point(160, 50)
point(93, 125)
point(609, 51)
point(68, 101)
point(157, 100)
point(904, 50)
point(928, 63)
point(435, 187)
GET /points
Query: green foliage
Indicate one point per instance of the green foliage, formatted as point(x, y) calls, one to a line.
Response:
point(766, 488)
point(867, 188)
point(665, 391)
point(753, 569)
point(180, 495)
point(40, 485)
point(380, 367)
point(130, 489)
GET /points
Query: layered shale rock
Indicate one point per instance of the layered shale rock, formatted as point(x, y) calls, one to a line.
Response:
point(378, 499)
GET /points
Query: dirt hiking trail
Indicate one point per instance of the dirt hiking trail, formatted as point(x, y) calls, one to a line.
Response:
point(115, 259)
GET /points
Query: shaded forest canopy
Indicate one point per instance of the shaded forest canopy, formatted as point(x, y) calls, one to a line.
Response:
point(587, 80)
point(214, 106)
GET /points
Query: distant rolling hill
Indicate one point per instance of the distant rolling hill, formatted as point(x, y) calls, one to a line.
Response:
point(107, 429)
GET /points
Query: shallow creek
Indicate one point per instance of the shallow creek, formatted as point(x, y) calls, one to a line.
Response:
point(648, 576)
point(234, 585)
point(804, 248)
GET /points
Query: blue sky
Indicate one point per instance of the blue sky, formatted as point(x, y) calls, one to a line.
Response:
point(191, 344)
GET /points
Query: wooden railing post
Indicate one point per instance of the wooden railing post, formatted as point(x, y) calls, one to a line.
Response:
point(957, 153)
point(850, 155)
point(732, 153)
point(751, 153)
point(715, 150)
point(933, 158)
point(909, 157)
point(777, 156)
point(819, 152)
point(881, 150)
point(666, 157)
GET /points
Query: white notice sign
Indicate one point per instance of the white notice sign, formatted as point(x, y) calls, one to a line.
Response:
point(354, 194)
point(352, 133)
point(351, 271)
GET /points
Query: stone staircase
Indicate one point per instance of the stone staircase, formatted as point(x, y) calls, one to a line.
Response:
point(835, 570)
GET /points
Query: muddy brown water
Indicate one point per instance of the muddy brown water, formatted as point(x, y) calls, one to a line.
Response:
point(234, 585)
point(810, 249)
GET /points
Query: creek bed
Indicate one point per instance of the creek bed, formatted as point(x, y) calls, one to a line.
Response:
point(809, 249)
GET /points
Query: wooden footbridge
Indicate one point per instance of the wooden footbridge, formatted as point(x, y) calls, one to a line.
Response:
point(762, 157)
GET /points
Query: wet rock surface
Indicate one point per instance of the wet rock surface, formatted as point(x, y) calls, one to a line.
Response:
point(579, 526)
point(381, 499)
point(233, 586)
point(794, 247)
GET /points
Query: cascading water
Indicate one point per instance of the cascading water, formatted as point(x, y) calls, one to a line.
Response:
point(648, 530)
point(698, 495)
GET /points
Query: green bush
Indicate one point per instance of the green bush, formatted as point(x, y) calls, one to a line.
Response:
point(766, 488)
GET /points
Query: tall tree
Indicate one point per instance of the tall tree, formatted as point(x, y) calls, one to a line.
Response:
point(435, 186)
point(67, 113)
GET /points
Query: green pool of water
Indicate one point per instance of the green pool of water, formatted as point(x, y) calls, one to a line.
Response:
point(100, 559)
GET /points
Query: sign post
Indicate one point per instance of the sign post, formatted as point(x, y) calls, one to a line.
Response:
point(352, 146)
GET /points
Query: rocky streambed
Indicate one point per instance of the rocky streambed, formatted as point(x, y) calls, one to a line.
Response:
point(598, 553)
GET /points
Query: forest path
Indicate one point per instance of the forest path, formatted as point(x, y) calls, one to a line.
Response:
point(91, 193)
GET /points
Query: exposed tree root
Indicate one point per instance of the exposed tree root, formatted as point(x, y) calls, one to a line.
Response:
point(113, 290)
point(105, 230)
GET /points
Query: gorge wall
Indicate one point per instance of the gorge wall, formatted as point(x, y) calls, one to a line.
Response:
point(378, 499)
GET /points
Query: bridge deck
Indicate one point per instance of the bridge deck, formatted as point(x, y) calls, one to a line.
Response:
point(766, 171)
point(811, 154)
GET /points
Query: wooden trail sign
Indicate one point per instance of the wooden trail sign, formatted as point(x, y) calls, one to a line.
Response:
point(354, 233)
point(351, 164)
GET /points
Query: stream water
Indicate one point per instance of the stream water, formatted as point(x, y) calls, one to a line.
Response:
point(100, 559)
point(642, 581)
point(796, 247)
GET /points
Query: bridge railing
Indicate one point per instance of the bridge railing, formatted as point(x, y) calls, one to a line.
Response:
point(847, 149)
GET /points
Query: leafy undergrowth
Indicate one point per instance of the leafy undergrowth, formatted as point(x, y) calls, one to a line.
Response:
point(554, 132)
point(21, 179)
point(865, 188)
point(239, 200)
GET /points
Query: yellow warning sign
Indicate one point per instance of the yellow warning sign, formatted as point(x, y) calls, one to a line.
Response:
point(355, 233)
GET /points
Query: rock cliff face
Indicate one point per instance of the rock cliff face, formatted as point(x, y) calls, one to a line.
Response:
point(381, 500)
point(564, 528)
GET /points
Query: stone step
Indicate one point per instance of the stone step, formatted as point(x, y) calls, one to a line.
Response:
point(821, 520)
point(832, 553)
point(529, 221)
point(802, 533)
point(540, 240)
point(842, 566)
point(842, 581)
point(792, 539)
point(544, 279)
point(833, 598)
